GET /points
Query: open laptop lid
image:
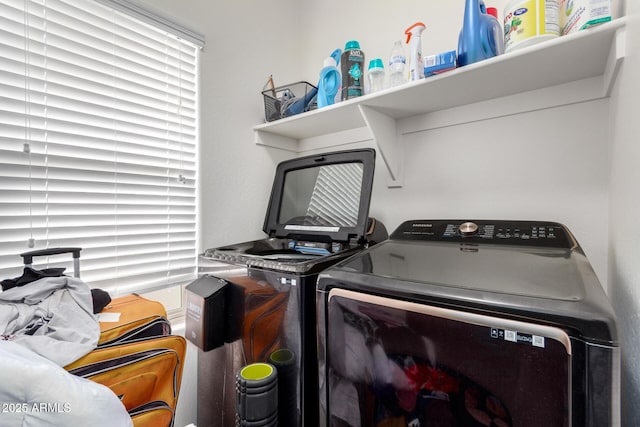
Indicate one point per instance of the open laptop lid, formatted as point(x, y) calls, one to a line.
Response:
point(322, 198)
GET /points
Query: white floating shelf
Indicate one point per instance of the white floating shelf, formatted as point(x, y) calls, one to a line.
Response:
point(593, 53)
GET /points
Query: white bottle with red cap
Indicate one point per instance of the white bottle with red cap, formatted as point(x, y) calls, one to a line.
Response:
point(414, 33)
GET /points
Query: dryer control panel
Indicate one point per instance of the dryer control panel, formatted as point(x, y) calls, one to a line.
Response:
point(520, 233)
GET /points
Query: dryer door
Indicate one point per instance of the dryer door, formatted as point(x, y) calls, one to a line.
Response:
point(399, 363)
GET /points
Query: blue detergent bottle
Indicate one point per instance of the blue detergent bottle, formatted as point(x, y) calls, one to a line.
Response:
point(481, 36)
point(330, 80)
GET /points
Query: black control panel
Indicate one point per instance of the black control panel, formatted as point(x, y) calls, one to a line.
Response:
point(520, 233)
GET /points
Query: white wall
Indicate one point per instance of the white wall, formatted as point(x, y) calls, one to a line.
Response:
point(556, 163)
point(624, 247)
point(516, 167)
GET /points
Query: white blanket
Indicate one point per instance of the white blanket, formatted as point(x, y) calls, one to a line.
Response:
point(57, 312)
point(35, 392)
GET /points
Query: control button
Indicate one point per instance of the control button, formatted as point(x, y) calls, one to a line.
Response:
point(467, 229)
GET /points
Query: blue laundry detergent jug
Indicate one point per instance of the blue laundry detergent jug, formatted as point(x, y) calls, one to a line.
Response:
point(481, 36)
point(330, 80)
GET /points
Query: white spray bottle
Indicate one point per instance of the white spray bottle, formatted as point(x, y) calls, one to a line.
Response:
point(414, 33)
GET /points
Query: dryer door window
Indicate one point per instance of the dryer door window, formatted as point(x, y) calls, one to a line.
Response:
point(395, 363)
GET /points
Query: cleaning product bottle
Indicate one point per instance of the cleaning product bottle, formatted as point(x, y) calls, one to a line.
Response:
point(396, 64)
point(481, 35)
point(329, 80)
point(416, 69)
point(376, 75)
point(352, 70)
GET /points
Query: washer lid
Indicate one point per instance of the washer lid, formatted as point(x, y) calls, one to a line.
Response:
point(322, 198)
point(546, 273)
point(515, 257)
point(552, 284)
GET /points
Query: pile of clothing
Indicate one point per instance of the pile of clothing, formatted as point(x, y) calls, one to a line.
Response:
point(47, 321)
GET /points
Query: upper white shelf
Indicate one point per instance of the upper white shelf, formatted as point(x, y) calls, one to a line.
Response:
point(589, 53)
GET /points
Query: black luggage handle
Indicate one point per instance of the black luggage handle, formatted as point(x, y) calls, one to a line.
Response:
point(28, 256)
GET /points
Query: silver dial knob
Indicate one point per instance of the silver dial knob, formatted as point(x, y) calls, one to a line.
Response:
point(467, 229)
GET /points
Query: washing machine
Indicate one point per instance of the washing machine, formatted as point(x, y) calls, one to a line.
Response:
point(468, 323)
point(255, 301)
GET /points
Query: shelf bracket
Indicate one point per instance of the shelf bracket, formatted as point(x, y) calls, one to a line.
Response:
point(384, 132)
point(616, 54)
point(282, 142)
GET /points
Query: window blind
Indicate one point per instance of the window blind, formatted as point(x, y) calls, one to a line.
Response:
point(98, 137)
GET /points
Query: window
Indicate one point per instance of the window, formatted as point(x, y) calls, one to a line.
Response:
point(98, 135)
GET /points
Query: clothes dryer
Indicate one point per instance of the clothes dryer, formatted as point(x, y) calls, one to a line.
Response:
point(468, 323)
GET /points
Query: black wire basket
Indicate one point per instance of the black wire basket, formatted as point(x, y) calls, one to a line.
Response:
point(288, 100)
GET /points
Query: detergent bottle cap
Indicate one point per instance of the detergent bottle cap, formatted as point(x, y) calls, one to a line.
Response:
point(414, 30)
point(336, 56)
point(493, 12)
point(376, 63)
point(329, 62)
point(352, 44)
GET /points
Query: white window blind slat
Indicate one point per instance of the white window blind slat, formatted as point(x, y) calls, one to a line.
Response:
point(102, 171)
point(98, 143)
point(155, 21)
point(81, 98)
point(70, 143)
point(90, 90)
point(97, 35)
point(66, 156)
point(62, 93)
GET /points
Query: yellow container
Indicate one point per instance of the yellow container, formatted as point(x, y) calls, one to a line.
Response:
point(527, 22)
